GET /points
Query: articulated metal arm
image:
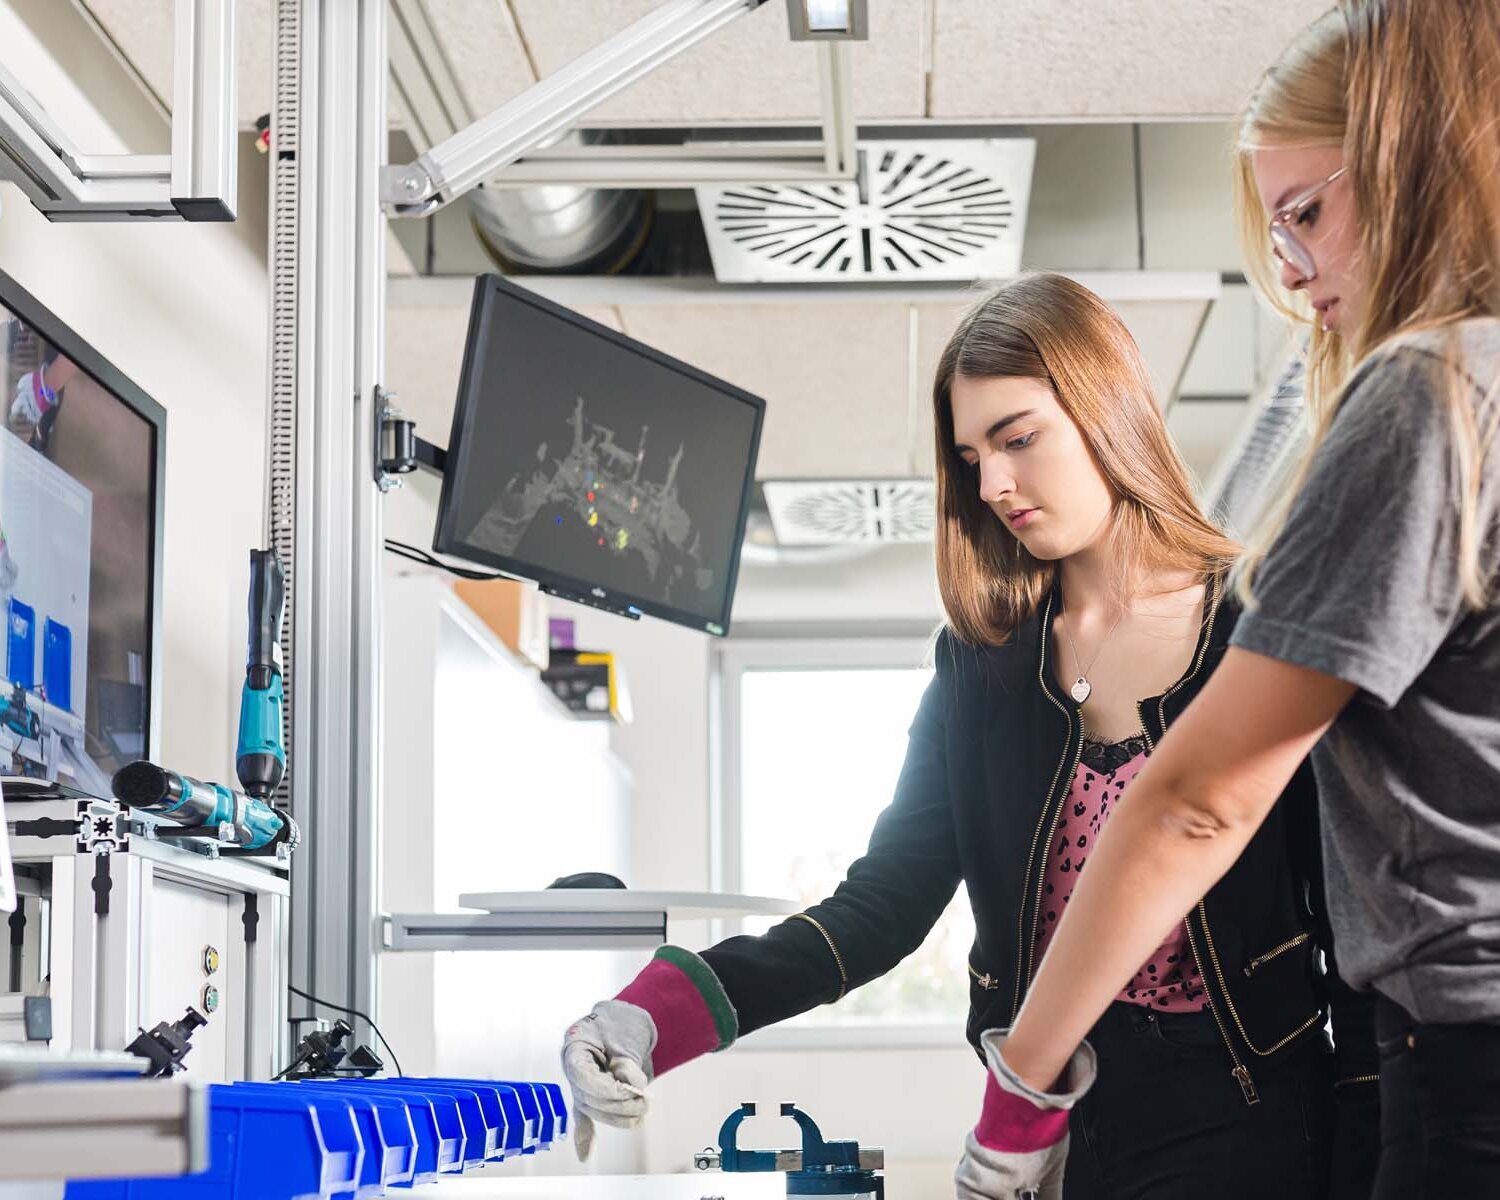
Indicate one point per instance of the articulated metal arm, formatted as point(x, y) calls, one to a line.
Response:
point(196, 182)
point(552, 105)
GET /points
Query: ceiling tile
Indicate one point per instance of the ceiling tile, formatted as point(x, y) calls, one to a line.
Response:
point(143, 31)
point(833, 377)
point(1105, 58)
point(750, 70)
point(484, 49)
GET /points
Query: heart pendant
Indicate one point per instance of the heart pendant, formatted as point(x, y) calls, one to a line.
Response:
point(1080, 689)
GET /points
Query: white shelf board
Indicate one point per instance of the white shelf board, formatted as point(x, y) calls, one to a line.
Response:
point(678, 906)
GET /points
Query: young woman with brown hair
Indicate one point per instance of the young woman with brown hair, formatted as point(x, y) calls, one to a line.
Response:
point(1370, 155)
point(1086, 604)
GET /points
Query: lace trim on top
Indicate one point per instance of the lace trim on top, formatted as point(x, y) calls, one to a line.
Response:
point(1108, 757)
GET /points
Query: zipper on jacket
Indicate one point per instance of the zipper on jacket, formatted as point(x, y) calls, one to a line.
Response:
point(987, 981)
point(1026, 950)
point(1315, 1019)
point(1358, 1079)
point(838, 958)
point(1240, 1072)
point(1260, 960)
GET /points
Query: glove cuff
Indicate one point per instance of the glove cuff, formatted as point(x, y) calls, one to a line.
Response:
point(1016, 1118)
point(688, 1005)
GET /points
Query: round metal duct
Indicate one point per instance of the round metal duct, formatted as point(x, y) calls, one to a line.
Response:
point(562, 229)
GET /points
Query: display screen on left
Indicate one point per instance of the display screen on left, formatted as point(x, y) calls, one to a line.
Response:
point(76, 519)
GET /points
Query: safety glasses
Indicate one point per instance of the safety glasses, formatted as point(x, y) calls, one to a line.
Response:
point(1284, 243)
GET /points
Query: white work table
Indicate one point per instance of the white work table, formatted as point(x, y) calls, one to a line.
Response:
point(494, 1185)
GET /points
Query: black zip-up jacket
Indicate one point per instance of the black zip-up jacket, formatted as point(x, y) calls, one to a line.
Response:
point(991, 754)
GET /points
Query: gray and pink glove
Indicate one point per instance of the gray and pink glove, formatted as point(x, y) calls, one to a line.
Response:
point(673, 1011)
point(1020, 1146)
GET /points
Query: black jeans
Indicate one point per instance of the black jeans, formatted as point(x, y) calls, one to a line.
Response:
point(1167, 1121)
point(1439, 1108)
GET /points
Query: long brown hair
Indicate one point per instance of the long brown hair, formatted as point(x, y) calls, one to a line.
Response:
point(1048, 327)
point(1411, 90)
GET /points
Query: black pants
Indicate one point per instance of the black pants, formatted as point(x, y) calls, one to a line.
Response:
point(1439, 1108)
point(1167, 1121)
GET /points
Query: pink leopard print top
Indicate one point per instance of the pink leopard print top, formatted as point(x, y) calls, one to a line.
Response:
point(1169, 981)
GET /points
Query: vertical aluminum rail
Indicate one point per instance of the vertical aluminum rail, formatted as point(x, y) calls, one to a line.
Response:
point(327, 325)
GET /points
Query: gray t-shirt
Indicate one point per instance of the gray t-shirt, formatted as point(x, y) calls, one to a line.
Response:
point(1363, 584)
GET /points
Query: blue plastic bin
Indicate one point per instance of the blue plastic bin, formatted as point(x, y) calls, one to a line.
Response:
point(20, 644)
point(57, 663)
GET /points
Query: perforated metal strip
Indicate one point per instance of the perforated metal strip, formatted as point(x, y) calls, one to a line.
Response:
point(282, 408)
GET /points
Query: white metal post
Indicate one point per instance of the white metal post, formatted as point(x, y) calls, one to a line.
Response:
point(331, 118)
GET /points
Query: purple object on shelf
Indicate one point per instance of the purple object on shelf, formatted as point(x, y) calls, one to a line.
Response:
point(560, 633)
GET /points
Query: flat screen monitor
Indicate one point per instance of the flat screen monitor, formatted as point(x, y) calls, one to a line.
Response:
point(605, 470)
point(82, 457)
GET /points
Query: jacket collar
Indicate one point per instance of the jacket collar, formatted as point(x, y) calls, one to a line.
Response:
point(1211, 631)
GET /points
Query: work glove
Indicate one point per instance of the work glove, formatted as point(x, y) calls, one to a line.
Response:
point(672, 1012)
point(606, 1059)
point(1020, 1146)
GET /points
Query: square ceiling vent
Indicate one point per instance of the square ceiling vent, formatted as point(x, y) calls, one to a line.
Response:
point(919, 210)
point(844, 512)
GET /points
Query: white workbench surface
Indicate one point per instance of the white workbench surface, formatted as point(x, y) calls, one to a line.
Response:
point(495, 1185)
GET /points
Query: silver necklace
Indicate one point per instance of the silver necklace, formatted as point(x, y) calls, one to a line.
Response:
point(1082, 689)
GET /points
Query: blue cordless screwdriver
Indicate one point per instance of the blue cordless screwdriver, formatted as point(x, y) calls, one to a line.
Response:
point(260, 760)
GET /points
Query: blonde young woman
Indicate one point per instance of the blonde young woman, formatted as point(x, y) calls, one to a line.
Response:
point(1370, 169)
point(1086, 606)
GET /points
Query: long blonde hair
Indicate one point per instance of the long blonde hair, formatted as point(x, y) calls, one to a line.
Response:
point(1049, 328)
point(1411, 90)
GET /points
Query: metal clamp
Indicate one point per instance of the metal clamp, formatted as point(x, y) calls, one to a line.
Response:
point(819, 1168)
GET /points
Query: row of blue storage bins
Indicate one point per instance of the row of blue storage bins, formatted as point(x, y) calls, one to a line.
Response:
point(351, 1139)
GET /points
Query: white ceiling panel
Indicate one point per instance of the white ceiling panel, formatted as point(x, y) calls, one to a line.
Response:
point(749, 71)
point(1105, 58)
point(833, 378)
point(484, 49)
point(143, 31)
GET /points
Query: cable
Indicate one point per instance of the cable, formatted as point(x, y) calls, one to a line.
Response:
point(416, 554)
point(354, 1012)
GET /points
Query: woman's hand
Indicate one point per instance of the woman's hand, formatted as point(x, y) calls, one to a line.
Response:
point(1020, 1146)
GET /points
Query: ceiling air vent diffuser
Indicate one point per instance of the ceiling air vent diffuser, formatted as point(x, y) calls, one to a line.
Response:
point(829, 512)
point(920, 210)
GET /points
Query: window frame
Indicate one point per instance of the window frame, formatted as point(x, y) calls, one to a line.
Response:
point(731, 661)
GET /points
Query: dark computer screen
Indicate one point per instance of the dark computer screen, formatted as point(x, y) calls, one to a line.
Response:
point(596, 465)
point(81, 451)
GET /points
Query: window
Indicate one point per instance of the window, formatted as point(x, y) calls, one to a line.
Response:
point(813, 737)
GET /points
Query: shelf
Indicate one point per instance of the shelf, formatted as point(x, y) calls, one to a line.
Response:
point(681, 906)
point(569, 919)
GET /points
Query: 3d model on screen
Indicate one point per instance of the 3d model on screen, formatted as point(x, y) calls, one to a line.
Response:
point(600, 483)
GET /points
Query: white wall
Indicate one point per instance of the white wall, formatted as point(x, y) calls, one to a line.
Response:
point(181, 309)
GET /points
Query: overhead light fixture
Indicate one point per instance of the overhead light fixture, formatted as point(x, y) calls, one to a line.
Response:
point(828, 20)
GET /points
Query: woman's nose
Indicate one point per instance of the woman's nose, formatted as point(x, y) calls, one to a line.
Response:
point(1291, 278)
point(994, 481)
